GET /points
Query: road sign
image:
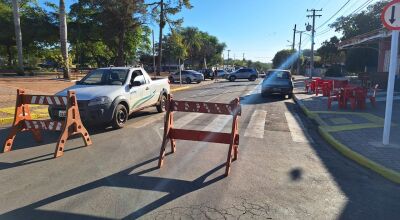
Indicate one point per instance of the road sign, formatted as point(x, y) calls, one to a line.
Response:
point(391, 20)
point(391, 15)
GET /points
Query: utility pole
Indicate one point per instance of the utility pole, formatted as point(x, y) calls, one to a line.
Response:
point(293, 43)
point(298, 60)
point(312, 37)
point(243, 57)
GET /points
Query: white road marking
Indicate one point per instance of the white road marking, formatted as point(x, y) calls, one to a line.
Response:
point(297, 129)
point(146, 121)
point(218, 123)
point(256, 126)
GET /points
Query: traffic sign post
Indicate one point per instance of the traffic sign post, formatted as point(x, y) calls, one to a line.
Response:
point(391, 20)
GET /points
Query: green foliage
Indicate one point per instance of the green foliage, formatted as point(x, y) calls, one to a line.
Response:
point(193, 44)
point(39, 31)
point(356, 24)
point(280, 57)
point(329, 53)
point(108, 32)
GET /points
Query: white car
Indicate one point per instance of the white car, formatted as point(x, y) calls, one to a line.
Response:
point(107, 96)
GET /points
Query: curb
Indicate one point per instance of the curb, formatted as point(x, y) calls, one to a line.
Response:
point(389, 174)
point(180, 89)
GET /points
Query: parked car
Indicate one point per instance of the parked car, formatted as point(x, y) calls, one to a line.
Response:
point(244, 73)
point(188, 76)
point(208, 73)
point(277, 82)
point(107, 96)
point(221, 73)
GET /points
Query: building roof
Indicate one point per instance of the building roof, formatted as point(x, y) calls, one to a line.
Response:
point(364, 38)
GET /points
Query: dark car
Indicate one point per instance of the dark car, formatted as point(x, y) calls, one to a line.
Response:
point(277, 82)
point(208, 73)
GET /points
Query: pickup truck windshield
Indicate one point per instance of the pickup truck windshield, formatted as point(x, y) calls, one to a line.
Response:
point(105, 77)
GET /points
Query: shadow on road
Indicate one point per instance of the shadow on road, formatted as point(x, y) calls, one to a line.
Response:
point(124, 179)
point(256, 98)
point(369, 195)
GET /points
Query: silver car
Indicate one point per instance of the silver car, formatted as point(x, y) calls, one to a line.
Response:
point(244, 73)
point(188, 76)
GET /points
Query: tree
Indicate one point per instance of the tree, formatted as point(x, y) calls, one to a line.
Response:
point(363, 22)
point(63, 39)
point(174, 47)
point(192, 40)
point(162, 10)
point(281, 59)
point(18, 36)
point(110, 30)
point(199, 45)
point(329, 53)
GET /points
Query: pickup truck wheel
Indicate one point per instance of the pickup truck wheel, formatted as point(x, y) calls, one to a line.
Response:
point(188, 80)
point(161, 106)
point(120, 117)
point(232, 78)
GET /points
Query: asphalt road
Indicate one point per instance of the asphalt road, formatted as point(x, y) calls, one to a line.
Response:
point(284, 170)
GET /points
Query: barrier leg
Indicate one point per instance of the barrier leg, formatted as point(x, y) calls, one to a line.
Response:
point(85, 136)
point(61, 143)
point(229, 160)
point(10, 139)
point(167, 127)
point(171, 124)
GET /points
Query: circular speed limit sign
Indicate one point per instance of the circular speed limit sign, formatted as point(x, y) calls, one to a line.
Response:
point(391, 15)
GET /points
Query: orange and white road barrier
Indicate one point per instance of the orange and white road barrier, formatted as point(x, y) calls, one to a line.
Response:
point(70, 126)
point(171, 134)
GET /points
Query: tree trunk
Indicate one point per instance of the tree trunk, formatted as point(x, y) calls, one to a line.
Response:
point(120, 61)
point(63, 39)
point(162, 23)
point(18, 36)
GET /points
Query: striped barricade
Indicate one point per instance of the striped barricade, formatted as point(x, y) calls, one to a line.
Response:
point(171, 134)
point(70, 126)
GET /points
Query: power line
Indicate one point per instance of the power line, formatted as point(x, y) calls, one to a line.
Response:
point(344, 5)
point(361, 7)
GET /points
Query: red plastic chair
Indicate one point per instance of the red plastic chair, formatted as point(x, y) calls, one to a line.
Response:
point(372, 97)
point(319, 86)
point(361, 95)
point(307, 85)
point(336, 97)
point(348, 95)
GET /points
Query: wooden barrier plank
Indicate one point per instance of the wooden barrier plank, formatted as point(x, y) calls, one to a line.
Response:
point(45, 100)
point(205, 136)
point(206, 107)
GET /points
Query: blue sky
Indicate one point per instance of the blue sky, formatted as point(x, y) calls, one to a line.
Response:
point(260, 28)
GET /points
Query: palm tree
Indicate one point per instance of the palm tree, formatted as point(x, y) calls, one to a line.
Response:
point(18, 36)
point(63, 39)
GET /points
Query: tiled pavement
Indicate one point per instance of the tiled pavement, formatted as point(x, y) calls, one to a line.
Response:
point(360, 131)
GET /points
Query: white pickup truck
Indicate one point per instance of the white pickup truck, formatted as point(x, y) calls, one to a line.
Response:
point(107, 96)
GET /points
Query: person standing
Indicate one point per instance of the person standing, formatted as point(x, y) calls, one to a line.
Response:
point(216, 75)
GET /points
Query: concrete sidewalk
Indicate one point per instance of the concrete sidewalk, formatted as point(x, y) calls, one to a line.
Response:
point(357, 134)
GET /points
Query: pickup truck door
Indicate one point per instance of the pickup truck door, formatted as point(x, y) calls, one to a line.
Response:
point(140, 94)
